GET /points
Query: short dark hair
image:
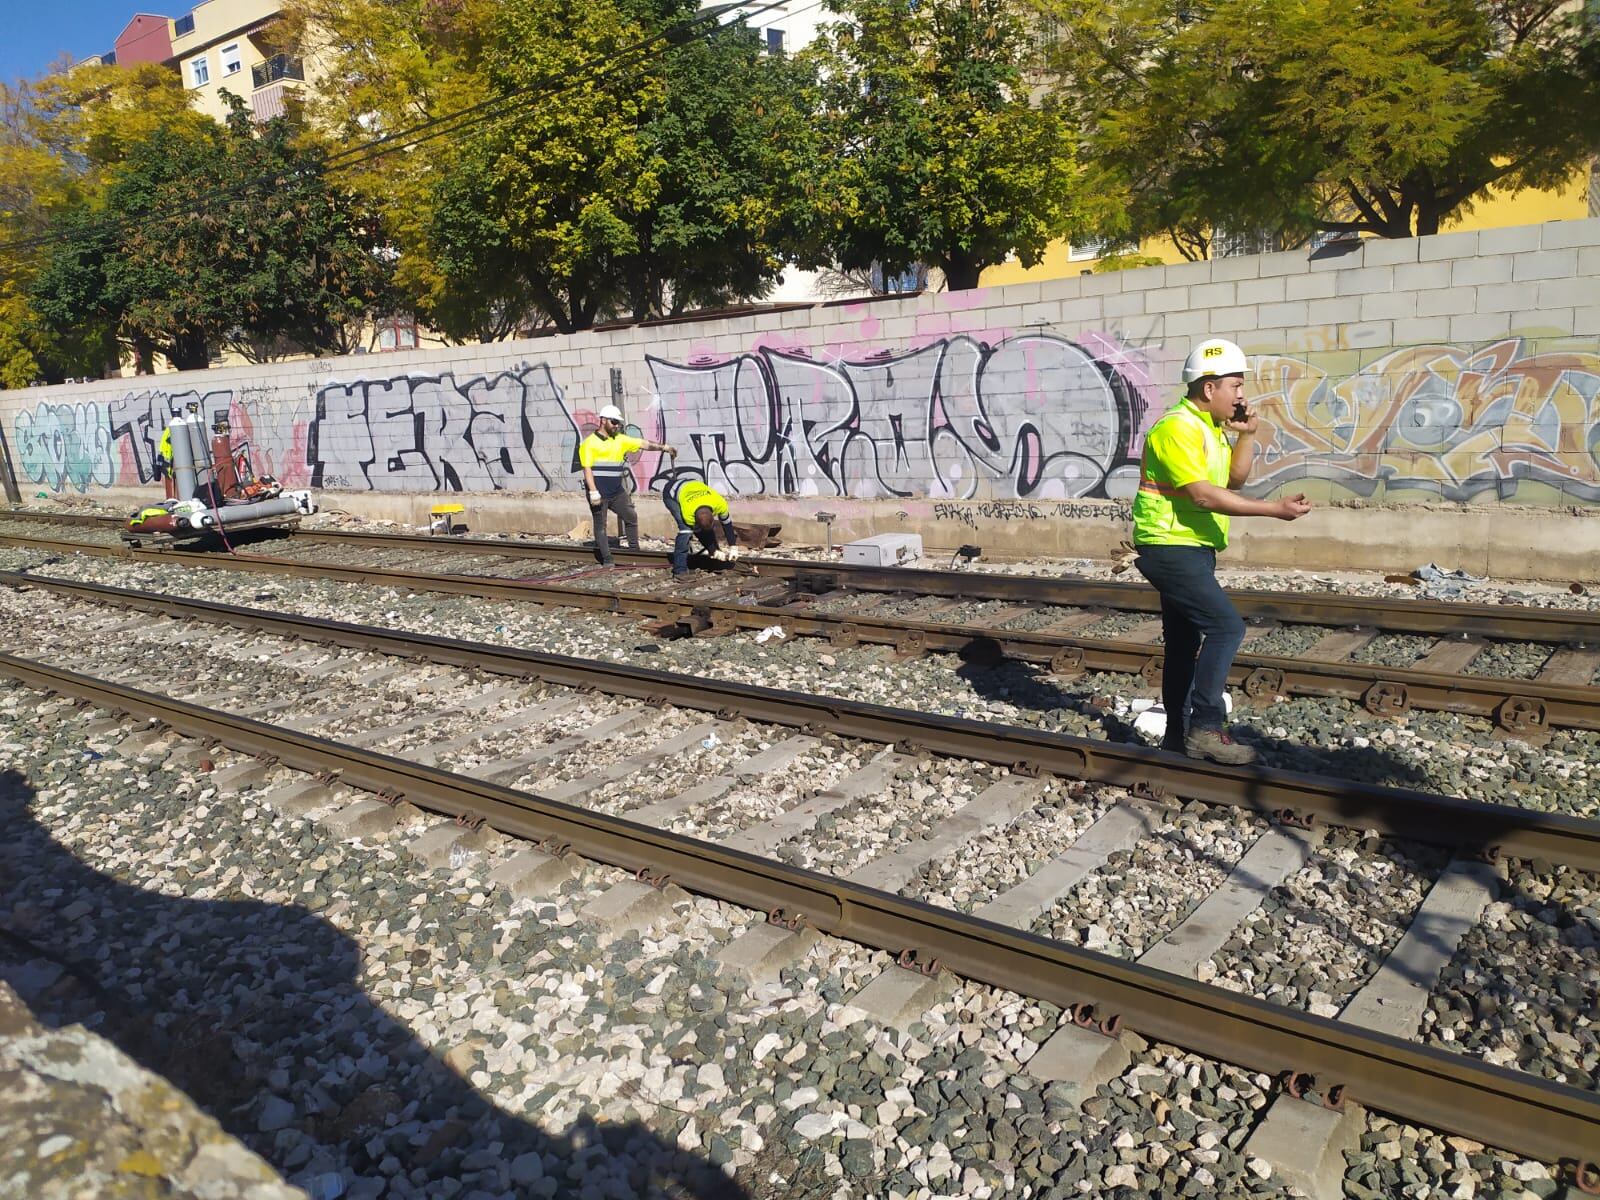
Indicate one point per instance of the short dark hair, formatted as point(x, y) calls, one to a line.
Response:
point(703, 516)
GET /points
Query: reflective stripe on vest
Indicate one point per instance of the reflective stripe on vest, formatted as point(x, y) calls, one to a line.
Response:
point(1163, 514)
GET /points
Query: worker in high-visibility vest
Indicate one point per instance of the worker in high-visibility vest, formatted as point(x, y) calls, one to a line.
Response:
point(603, 457)
point(164, 454)
point(1189, 481)
point(698, 509)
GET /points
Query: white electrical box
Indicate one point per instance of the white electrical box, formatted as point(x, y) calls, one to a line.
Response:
point(884, 550)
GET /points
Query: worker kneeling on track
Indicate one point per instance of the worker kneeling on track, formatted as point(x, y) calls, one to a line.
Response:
point(1189, 481)
point(698, 509)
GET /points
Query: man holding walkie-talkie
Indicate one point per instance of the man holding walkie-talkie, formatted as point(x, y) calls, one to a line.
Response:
point(1189, 481)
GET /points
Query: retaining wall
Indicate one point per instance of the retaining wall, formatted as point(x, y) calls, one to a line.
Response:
point(1457, 368)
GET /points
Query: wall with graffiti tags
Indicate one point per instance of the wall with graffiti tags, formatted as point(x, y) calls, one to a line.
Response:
point(1459, 367)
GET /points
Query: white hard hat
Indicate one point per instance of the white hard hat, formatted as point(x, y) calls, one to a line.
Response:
point(611, 413)
point(1214, 357)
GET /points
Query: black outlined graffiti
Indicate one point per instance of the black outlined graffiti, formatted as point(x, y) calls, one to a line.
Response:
point(429, 433)
point(1032, 416)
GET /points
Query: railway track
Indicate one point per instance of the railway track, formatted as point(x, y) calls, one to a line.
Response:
point(1066, 626)
point(869, 896)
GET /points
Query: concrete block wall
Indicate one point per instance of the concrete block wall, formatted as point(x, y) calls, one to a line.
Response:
point(1462, 367)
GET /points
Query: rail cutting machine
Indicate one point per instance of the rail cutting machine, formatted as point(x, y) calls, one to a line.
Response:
point(212, 488)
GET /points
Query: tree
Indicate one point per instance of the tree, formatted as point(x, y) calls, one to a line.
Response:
point(608, 168)
point(930, 148)
point(214, 235)
point(1382, 117)
point(61, 138)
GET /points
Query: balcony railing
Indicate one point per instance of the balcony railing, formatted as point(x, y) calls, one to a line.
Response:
point(279, 66)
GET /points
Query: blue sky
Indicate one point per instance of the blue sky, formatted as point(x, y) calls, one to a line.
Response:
point(37, 31)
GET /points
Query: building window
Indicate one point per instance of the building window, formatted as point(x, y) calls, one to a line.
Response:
point(397, 333)
point(232, 63)
point(1085, 251)
point(199, 71)
point(774, 41)
point(183, 26)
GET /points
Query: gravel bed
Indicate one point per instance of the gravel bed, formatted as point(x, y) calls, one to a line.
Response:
point(1287, 641)
point(974, 874)
point(1523, 990)
point(1510, 660)
point(1323, 932)
point(910, 808)
point(1398, 650)
point(1433, 751)
point(814, 770)
point(1138, 896)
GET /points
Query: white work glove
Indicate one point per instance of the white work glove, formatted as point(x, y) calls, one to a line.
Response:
point(732, 554)
point(594, 498)
point(720, 554)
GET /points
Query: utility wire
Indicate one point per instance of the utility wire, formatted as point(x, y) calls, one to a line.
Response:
point(444, 125)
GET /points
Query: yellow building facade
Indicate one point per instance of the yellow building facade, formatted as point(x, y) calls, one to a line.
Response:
point(1578, 199)
point(224, 46)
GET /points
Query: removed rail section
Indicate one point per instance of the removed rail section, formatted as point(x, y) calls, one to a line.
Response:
point(1467, 826)
point(1519, 1112)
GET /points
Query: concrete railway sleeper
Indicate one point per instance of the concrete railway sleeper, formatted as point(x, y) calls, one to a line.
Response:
point(1357, 1058)
point(1560, 697)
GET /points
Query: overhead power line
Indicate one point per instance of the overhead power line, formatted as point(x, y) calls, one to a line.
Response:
point(449, 124)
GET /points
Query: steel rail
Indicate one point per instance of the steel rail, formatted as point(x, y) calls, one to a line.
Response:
point(1526, 708)
point(1504, 621)
point(1466, 826)
point(1513, 1110)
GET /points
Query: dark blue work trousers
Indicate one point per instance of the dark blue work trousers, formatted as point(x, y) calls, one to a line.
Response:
point(1201, 632)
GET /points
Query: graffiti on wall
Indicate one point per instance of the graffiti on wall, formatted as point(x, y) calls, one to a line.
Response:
point(1455, 422)
point(65, 446)
point(434, 433)
point(1032, 416)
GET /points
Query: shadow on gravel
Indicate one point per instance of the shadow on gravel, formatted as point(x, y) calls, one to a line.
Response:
point(1030, 686)
point(257, 1011)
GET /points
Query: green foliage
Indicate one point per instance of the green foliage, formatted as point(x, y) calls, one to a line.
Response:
point(212, 235)
point(607, 180)
point(1291, 116)
point(929, 148)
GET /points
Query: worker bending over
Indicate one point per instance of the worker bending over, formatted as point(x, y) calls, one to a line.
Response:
point(1190, 476)
point(603, 457)
point(697, 509)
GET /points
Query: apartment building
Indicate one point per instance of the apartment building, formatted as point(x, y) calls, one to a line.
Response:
point(218, 46)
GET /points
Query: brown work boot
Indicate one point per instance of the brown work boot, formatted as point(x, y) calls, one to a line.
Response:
point(1216, 746)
